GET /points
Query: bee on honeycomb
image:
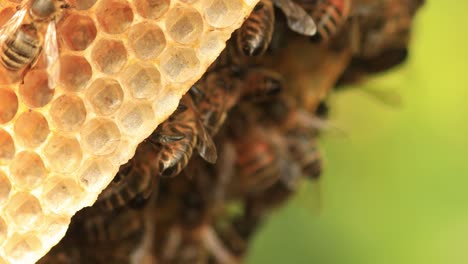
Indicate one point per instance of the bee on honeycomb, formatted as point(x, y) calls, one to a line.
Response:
point(101, 76)
point(82, 82)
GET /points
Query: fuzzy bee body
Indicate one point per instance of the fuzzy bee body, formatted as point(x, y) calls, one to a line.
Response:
point(381, 37)
point(257, 163)
point(30, 31)
point(214, 111)
point(132, 186)
point(329, 15)
point(116, 235)
point(300, 133)
point(108, 227)
point(254, 37)
point(219, 92)
point(305, 152)
point(176, 138)
point(165, 153)
point(21, 48)
point(386, 30)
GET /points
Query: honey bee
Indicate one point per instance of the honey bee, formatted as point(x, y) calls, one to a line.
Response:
point(176, 138)
point(254, 36)
point(300, 130)
point(297, 18)
point(385, 27)
point(261, 153)
point(107, 226)
point(305, 152)
point(115, 235)
point(382, 37)
point(222, 89)
point(294, 131)
point(170, 147)
point(218, 92)
point(257, 162)
point(189, 198)
point(192, 203)
point(134, 183)
point(360, 68)
point(330, 16)
point(31, 30)
point(231, 59)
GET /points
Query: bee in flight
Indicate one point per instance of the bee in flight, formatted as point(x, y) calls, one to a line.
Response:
point(31, 30)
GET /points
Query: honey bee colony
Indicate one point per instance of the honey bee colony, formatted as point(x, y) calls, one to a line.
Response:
point(158, 117)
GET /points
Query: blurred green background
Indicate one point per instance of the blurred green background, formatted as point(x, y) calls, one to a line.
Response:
point(395, 187)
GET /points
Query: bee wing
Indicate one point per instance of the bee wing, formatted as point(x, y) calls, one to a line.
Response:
point(214, 118)
point(52, 54)
point(12, 25)
point(205, 145)
point(390, 98)
point(298, 19)
point(290, 174)
point(316, 123)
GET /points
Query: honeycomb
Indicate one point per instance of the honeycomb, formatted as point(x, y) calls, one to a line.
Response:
point(124, 65)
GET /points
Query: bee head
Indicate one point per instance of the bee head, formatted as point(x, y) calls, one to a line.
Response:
point(46, 9)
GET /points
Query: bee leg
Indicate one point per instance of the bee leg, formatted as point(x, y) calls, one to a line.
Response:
point(216, 247)
point(143, 197)
point(354, 36)
point(24, 72)
point(138, 202)
point(174, 239)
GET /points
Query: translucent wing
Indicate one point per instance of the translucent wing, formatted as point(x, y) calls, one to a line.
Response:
point(388, 97)
point(290, 174)
point(222, 91)
point(214, 111)
point(316, 123)
point(205, 145)
point(52, 54)
point(298, 19)
point(12, 25)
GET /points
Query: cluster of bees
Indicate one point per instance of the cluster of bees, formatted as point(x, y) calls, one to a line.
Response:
point(240, 141)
